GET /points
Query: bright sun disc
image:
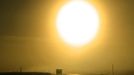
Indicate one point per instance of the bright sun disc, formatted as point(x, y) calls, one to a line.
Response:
point(77, 23)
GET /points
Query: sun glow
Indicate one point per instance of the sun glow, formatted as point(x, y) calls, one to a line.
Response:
point(77, 23)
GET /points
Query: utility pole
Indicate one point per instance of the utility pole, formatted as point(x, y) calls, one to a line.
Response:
point(112, 69)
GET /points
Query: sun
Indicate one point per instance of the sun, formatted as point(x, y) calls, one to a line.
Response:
point(77, 23)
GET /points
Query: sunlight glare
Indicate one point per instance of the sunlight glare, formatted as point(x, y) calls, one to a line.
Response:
point(77, 23)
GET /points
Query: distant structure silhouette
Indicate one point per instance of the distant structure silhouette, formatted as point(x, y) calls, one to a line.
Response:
point(20, 69)
point(58, 71)
point(25, 73)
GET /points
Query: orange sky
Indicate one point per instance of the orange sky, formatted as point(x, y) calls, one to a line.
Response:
point(28, 38)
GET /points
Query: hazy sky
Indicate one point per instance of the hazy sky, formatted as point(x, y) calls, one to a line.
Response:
point(27, 38)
